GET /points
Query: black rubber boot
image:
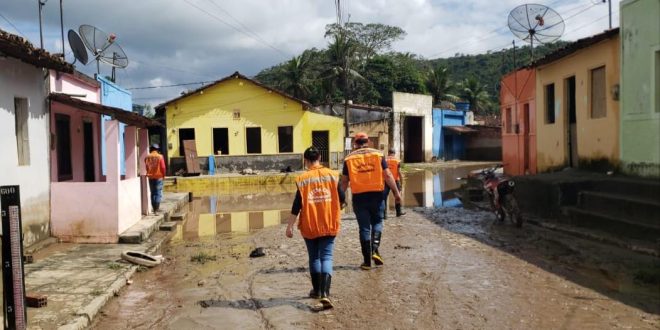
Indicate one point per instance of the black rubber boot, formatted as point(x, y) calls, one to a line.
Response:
point(375, 243)
point(398, 210)
point(366, 254)
point(326, 282)
point(316, 286)
point(156, 207)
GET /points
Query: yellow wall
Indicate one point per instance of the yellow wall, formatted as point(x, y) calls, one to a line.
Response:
point(259, 107)
point(597, 138)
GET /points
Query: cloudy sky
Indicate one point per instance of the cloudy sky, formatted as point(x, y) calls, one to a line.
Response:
point(183, 41)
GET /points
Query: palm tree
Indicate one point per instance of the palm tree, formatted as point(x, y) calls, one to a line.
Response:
point(474, 92)
point(439, 85)
point(295, 80)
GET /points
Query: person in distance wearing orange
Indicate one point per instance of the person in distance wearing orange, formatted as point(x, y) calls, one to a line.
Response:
point(394, 164)
point(155, 164)
point(317, 207)
point(365, 169)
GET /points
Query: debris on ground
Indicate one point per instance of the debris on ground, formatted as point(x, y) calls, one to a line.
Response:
point(258, 252)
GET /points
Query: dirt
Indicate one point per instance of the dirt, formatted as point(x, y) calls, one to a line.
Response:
point(445, 268)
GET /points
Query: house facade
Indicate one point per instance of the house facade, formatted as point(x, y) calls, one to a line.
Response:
point(449, 133)
point(518, 108)
point(412, 127)
point(24, 130)
point(240, 123)
point(577, 106)
point(640, 87)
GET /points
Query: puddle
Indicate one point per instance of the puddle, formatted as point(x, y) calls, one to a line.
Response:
point(241, 210)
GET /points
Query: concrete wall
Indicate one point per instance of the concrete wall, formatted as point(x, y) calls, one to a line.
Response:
point(485, 144)
point(235, 164)
point(406, 104)
point(517, 92)
point(114, 96)
point(18, 79)
point(446, 117)
point(597, 138)
point(640, 87)
point(258, 107)
point(378, 131)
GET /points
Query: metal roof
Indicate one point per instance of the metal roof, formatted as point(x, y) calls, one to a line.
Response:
point(126, 117)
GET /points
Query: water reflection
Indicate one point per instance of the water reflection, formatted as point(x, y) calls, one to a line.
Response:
point(242, 209)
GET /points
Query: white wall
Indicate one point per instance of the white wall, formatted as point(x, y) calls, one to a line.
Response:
point(406, 104)
point(18, 79)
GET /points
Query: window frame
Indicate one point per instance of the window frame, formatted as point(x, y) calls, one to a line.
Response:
point(247, 147)
point(546, 104)
point(592, 114)
point(279, 145)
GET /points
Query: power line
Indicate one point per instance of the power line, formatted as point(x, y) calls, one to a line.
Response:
point(172, 85)
point(14, 26)
point(217, 18)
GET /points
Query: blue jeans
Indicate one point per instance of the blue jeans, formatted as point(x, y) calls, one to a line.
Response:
point(369, 214)
point(320, 254)
point(156, 188)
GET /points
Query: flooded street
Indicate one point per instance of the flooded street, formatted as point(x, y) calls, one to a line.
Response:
point(445, 268)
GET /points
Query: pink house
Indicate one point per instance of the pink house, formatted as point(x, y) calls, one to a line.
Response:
point(87, 206)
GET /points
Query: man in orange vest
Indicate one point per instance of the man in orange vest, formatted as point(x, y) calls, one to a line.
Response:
point(155, 164)
point(317, 206)
point(394, 164)
point(367, 172)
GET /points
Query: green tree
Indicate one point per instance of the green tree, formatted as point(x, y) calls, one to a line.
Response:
point(295, 76)
point(371, 39)
point(474, 92)
point(439, 85)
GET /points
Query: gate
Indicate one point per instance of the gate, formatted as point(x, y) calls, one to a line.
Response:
point(321, 140)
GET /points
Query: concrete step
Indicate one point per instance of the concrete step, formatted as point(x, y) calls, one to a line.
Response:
point(635, 209)
point(178, 216)
point(603, 222)
point(167, 226)
point(634, 187)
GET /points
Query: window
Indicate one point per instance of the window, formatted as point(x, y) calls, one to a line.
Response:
point(221, 141)
point(550, 104)
point(253, 138)
point(507, 120)
point(657, 80)
point(598, 93)
point(285, 138)
point(22, 135)
point(63, 137)
point(185, 134)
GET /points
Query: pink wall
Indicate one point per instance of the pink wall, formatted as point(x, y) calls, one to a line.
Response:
point(70, 84)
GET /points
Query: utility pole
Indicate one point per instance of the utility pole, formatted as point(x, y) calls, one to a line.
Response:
point(41, 22)
point(62, 28)
point(609, 5)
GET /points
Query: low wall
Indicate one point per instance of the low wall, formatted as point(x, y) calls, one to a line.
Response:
point(235, 164)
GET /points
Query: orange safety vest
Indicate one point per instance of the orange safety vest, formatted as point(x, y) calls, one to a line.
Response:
point(152, 161)
point(365, 171)
point(393, 165)
point(320, 213)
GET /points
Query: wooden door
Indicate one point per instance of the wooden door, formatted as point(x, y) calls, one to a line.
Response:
point(190, 150)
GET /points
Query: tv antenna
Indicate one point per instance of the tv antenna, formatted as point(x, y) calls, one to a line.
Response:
point(104, 48)
point(532, 22)
point(77, 47)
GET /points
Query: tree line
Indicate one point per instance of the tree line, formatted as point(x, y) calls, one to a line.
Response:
point(359, 64)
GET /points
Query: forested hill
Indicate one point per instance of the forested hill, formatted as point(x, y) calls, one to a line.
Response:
point(357, 55)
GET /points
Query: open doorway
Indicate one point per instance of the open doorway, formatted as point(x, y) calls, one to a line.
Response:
point(571, 141)
point(413, 131)
point(88, 151)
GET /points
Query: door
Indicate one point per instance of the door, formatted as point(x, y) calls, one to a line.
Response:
point(88, 151)
point(63, 142)
point(190, 149)
point(321, 140)
point(413, 144)
point(525, 132)
point(571, 141)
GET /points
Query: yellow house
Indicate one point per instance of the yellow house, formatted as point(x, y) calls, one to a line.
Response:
point(245, 124)
point(578, 105)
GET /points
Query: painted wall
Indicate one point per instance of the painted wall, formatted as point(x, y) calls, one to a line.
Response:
point(18, 79)
point(518, 91)
point(377, 130)
point(114, 96)
point(407, 104)
point(597, 139)
point(446, 117)
point(640, 87)
point(69, 84)
point(258, 107)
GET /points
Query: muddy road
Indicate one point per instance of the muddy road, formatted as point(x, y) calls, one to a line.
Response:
point(445, 268)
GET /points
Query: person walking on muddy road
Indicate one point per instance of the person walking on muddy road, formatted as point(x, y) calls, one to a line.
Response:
point(317, 207)
point(365, 169)
point(155, 164)
point(394, 164)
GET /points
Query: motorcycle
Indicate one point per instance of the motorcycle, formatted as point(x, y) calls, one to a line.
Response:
point(499, 189)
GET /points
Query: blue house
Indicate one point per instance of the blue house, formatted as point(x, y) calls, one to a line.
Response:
point(114, 96)
point(449, 130)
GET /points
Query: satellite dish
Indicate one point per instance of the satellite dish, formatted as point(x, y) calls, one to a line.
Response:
point(104, 48)
point(78, 48)
point(535, 23)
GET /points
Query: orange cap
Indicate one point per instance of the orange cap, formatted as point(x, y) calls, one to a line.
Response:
point(360, 136)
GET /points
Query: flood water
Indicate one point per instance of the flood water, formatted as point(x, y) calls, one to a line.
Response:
point(243, 209)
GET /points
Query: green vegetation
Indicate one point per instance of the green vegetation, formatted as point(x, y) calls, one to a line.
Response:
point(114, 266)
point(202, 257)
point(358, 62)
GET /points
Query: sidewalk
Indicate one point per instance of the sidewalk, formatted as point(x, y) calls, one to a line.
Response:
point(78, 279)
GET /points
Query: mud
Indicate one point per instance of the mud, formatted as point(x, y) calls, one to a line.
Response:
point(446, 268)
